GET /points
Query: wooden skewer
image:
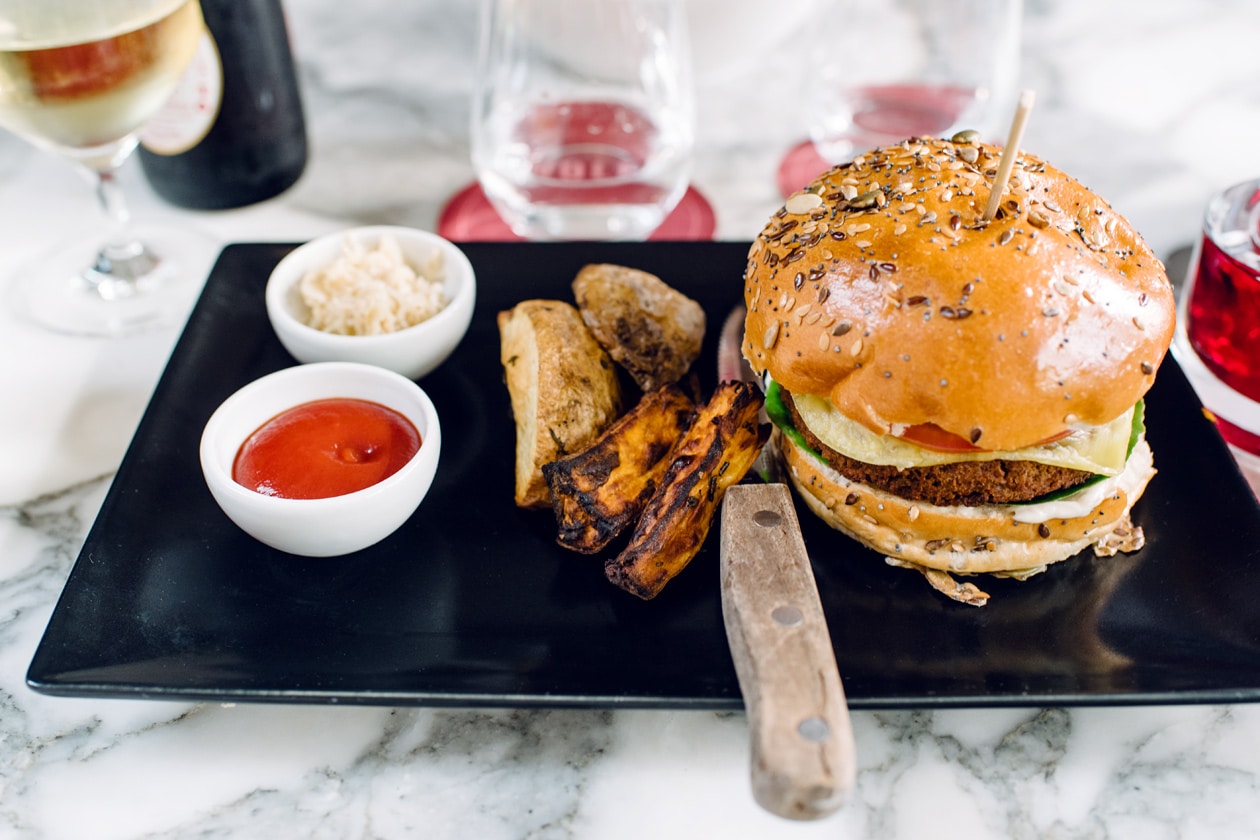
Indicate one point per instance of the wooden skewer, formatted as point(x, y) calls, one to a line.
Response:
point(1007, 163)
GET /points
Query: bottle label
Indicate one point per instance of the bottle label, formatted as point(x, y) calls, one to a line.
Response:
point(187, 116)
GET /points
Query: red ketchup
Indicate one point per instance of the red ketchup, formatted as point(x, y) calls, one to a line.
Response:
point(325, 448)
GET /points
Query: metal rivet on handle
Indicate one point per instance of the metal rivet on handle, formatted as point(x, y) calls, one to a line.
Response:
point(814, 729)
point(767, 519)
point(788, 616)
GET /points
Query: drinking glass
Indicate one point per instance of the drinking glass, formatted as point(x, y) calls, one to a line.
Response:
point(582, 118)
point(1217, 341)
point(79, 78)
point(881, 71)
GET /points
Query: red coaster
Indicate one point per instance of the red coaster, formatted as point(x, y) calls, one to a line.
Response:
point(799, 167)
point(469, 217)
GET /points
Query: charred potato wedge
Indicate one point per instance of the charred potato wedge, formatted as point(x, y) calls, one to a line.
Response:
point(715, 452)
point(599, 492)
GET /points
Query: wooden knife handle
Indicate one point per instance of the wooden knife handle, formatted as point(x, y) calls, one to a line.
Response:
point(803, 756)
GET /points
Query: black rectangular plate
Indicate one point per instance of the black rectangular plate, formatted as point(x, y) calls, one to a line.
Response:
point(471, 603)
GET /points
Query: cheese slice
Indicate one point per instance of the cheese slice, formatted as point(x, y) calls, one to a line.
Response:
point(1096, 449)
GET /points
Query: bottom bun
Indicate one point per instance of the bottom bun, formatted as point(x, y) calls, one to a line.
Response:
point(1006, 540)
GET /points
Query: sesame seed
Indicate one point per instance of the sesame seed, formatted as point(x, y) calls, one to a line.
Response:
point(771, 337)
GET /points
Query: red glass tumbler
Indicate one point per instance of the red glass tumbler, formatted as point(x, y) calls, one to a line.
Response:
point(1218, 330)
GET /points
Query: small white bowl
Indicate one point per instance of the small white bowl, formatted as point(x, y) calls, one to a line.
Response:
point(412, 352)
point(339, 524)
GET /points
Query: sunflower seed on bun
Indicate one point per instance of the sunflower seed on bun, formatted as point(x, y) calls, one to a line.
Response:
point(962, 395)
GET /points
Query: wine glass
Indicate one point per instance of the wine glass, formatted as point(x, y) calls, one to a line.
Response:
point(885, 70)
point(80, 77)
point(582, 119)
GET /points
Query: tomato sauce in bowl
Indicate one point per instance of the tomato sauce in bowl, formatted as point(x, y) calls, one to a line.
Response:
point(325, 448)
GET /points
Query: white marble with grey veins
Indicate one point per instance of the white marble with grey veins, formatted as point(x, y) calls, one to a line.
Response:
point(1155, 105)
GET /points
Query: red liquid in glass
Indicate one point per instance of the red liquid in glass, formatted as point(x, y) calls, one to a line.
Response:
point(1223, 322)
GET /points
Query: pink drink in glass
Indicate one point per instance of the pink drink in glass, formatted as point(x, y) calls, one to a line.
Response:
point(1224, 317)
point(1218, 338)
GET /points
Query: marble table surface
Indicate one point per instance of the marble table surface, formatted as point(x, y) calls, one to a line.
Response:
point(1154, 105)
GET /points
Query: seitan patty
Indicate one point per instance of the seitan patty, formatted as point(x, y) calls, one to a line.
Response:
point(963, 483)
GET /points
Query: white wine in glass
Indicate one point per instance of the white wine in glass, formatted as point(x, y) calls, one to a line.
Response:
point(80, 77)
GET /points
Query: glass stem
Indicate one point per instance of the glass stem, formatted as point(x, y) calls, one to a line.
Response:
point(123, 260)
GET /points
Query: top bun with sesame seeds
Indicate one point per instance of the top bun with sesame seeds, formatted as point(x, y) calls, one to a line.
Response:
point(921, 350)
point(880, 288)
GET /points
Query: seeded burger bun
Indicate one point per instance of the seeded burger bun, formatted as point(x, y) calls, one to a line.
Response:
point(962, 396)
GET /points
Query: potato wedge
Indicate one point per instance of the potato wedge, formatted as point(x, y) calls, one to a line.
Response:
point(599, 492)
point(648, 327)
point(714, 453)
point(563, 386)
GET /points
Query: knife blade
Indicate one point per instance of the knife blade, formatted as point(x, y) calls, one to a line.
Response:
point(803, 758)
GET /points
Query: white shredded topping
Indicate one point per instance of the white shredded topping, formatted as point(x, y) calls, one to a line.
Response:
point(371, 292)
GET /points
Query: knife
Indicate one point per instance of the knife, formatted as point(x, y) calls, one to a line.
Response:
point(803, 758)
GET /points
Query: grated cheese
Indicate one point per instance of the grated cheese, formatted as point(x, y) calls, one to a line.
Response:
point(372, 291)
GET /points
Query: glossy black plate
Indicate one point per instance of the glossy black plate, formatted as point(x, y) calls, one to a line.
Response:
point(471, 603)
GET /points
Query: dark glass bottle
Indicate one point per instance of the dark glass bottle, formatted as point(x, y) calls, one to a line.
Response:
point(234, 133)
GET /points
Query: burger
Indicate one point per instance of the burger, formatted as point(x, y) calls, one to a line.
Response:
point(961, 391)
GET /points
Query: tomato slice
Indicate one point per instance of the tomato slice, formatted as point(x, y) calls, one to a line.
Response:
point(932, 436)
